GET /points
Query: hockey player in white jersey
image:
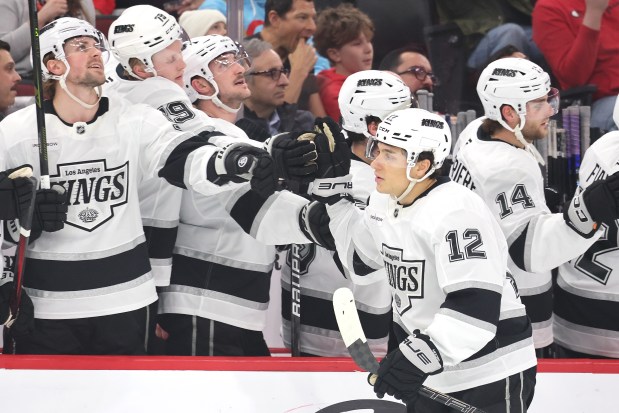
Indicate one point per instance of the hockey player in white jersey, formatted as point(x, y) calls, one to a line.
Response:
point(461, 326)
point(91, 281)
point(586, 307)
point(499, 162)
point(365, 99)
point(146, 43)
point(219, 292)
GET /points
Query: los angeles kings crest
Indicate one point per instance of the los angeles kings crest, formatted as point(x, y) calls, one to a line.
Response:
point(93, 190)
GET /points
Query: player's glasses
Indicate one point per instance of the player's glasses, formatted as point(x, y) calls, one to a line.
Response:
point(274, 74)
point(421, 74)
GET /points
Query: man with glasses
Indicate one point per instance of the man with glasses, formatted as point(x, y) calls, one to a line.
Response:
point(498, 161)
point(413, 67)
point(267, 80)
point(288, 25)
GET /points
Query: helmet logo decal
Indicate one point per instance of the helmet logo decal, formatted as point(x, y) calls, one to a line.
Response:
point(504, 72)
point(369, 82)
point(123, 28)
point(432, 123)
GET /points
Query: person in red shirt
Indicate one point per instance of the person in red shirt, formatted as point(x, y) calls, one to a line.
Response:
point(344, 36)
point(579, 40)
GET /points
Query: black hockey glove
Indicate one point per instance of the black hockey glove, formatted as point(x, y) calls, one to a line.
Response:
point(402, 372)
point(314, 222)
point(16, 192)
point(553, 199)
point(333, 151)
point(22, 323)
point(597, 204)
point(234, 162)
point(253, 130)
point(294, 155)
point(264, 180)
point(50, 211)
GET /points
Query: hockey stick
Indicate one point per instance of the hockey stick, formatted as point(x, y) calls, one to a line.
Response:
point(37, 74)
point(26, 221)
point(295, 300)
point(354, 339)
point(20, 254)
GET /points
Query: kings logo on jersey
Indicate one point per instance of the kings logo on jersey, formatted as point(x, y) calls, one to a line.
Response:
point(93, 191)
point(405, 277)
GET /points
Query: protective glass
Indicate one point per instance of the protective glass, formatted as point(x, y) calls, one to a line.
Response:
point(274, 74)
point(421, 74)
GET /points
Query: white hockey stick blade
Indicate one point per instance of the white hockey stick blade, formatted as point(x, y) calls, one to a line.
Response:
point(351, 330)
point(356, 342)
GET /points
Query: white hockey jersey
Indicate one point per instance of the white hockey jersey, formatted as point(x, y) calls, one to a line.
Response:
point(160, 201)
point(586, 309)
point(219, 272)
point(510, 182)
point(446, 262)
point(321, 276)
point(98, 264)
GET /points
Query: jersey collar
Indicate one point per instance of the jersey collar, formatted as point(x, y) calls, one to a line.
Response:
point(104, 106)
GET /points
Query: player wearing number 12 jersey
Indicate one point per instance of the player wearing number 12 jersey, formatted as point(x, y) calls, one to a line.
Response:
point(461, 327)
point(499, 163)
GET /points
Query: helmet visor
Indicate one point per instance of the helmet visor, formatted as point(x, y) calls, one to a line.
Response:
point(87, 44)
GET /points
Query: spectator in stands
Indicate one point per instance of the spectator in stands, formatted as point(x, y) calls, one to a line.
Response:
point(288, 26)
point(9, 78)
point(411, 63)
point(579, 40)
point(267, 80)
point(15, 24)
point(344, 36)
point(490, 25)
point(203, 22)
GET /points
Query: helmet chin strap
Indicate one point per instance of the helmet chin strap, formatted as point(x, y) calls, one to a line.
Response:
point(412, 182)
point(215, 98)
point(63, 84)
point(529, 147)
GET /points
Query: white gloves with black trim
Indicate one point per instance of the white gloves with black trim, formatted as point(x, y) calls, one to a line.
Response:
point(597, 204)
point(402, 372)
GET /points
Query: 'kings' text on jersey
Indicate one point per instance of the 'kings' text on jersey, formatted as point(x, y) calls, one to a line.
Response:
point(93, 191)
point(405, 277)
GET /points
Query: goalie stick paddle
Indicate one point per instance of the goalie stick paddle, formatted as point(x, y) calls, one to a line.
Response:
point(354, 339)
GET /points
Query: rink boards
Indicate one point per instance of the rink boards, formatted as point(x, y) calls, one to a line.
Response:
point(264, 385)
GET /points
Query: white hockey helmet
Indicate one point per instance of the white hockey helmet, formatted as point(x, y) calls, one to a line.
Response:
point(140, 32)
point(415, 131)
point(370, 93)
point(514, 82)
point(199, 52)
point(54, 35)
